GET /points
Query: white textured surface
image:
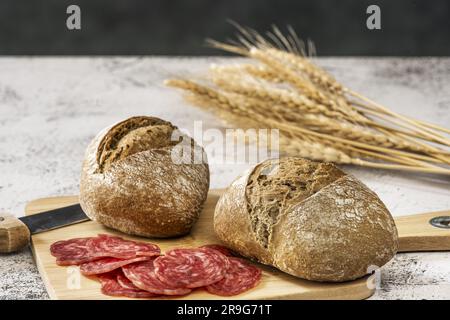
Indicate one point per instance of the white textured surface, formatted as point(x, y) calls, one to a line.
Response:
point(50, 108)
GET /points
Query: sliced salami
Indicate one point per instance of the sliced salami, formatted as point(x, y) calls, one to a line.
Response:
point(117, 247)
point(83, 250)
point(111, 287)
point(137, 269)
point(191, 268)
point(107, 264)
point(71, 252)
point(71, 247)
point(240, 277)
point(74, 261)
point(125, 282)
point(222, 249)
point(142, 275)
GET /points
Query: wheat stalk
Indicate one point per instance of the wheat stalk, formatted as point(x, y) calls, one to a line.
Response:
point(235, 83)
point(315, 73)
point(318, 117)
point(328, 83)
point(238, 106)
point(351, 131)
point(423, 129)
point(256, 71)
point(313, 150)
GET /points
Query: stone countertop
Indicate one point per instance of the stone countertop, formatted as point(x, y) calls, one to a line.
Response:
point(50, 108)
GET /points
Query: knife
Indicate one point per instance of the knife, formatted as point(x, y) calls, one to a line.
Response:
point(15, 232)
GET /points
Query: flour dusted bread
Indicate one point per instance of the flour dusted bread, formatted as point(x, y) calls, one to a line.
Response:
point(308, 219)
point(136, 178)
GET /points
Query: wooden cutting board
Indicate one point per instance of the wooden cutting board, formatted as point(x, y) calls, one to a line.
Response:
point(68, 283)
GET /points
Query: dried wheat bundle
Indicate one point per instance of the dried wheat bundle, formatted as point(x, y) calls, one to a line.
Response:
point(318, 117)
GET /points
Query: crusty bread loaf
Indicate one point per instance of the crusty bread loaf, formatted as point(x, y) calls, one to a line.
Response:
point(131, 181)
point(308, 219)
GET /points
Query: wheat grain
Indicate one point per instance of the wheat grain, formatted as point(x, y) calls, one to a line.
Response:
point(313, 150)
point(235, 83)
point(257, 71)
point(304, 85)
point(315, 73)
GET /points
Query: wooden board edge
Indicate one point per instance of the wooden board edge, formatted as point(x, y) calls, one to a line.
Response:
point(363, 292)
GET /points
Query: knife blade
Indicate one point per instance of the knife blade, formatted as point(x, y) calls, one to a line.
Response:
point(15, 232)
point(54, 219)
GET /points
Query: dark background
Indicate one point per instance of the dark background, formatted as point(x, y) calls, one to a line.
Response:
point(179, 27)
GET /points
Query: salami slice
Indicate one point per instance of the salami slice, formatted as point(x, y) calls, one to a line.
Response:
point(142, 275)
point(136, 269)
point(107, 264)
point(74, 261)
point(71, 252)
point(111, 287)
point(125, 282)
point(191, 268)
point(117, 247)
point(240, 277)
point(82, 250)
point(222, 249)
point(72, 247)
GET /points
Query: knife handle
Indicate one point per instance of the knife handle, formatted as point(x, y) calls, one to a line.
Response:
point(14, 234)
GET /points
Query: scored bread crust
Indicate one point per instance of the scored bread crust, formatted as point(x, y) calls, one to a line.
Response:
point(341, 232)
point(143, 193)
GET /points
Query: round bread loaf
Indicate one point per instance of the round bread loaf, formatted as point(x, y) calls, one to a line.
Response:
point(308, 219)
point(138, 179)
